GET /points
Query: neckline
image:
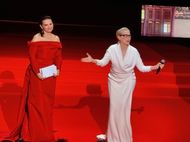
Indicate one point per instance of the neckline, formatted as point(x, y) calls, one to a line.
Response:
point(120, 50)
point(38, 42)
point(43, 41)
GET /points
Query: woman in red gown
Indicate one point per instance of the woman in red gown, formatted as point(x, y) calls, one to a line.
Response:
point(35, 121)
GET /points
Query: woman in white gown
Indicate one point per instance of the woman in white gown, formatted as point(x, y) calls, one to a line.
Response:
point(121, 83)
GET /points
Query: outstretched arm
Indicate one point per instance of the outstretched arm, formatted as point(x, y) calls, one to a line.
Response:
point(88, 59)
point(144, 68)
point(103, 62)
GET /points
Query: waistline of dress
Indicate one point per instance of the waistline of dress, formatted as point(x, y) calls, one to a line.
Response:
point(121, 76)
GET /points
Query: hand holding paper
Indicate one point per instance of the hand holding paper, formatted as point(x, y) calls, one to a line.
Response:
point(48, 71)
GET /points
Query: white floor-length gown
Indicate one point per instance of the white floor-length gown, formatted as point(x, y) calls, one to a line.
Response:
point(121, 83)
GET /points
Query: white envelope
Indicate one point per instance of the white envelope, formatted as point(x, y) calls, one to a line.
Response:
point(48, 71)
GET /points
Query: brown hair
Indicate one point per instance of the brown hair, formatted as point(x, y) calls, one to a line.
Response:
point(41, 20)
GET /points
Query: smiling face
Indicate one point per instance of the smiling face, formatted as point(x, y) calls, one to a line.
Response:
point(47, 25)
point(124, 36)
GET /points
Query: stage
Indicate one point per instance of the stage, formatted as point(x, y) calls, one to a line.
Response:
point(161, 103)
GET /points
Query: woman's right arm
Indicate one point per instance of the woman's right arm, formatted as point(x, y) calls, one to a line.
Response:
point(103, 62)
point(32, 57)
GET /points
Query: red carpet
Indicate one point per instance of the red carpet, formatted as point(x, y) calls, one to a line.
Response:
point(161, 103)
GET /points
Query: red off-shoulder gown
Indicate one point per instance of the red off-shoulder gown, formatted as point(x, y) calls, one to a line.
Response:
point(36, 110)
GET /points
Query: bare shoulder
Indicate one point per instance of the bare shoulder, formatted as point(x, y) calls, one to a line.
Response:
point(36, 37)
point(57, 38)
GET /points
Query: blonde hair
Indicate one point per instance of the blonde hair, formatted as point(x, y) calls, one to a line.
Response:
point(120, 31)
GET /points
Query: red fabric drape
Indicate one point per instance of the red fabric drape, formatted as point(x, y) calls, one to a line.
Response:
point(36, 108)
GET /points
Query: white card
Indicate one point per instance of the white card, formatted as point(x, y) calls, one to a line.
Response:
point(48, 71)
